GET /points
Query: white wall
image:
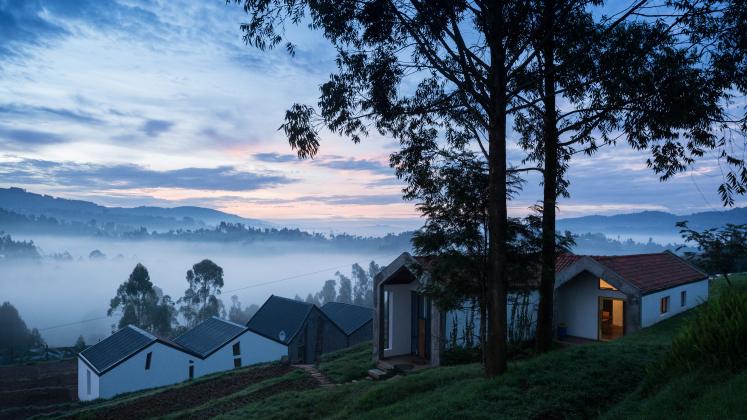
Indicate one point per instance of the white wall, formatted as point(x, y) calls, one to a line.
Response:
point(650, 304)
point(254, 349)
point(578, 305)
point(83, 371)
point(168, 366)
point(400, 317)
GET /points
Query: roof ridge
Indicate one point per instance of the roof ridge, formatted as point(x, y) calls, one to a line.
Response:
point(141, 331)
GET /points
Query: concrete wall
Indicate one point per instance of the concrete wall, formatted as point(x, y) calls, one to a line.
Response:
point(254, 349)
point(362, 334)
point(400, 316)
point(650, 304)
point(83, 373)
point(578, 305)
point(168, 366)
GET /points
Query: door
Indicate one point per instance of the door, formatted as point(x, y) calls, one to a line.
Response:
point(611, 323)
point(421, 322)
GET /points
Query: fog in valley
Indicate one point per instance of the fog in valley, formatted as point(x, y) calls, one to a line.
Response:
point(50, 293)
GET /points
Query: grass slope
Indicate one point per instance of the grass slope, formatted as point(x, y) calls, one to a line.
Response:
point(347, 364)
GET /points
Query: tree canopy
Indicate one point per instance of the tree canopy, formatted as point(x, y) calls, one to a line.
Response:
point(200, 300)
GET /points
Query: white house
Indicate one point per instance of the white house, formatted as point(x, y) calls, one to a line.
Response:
point(129, 360)
point(132, 359)
point(597, 297)
point(223, 345)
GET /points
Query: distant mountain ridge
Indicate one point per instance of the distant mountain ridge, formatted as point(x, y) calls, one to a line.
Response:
point(653, 222)
point(24, 202)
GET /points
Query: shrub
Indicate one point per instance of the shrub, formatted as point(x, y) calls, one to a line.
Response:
point(715, 337)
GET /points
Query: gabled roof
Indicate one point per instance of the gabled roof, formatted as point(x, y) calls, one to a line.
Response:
point(646, 272)
point(280, 315)
point(209, 335)
point(347, 316)
point(124, 343)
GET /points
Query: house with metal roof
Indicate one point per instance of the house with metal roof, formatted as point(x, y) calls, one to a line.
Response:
point(223, 345)
point(596, 298)
point(355, 321)
point(133, 359)
point(301, 327)
point(130, 360)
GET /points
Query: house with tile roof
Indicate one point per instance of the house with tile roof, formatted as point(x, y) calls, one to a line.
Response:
point(354, 320)
point(301, 327)
point(596, 298)
point(132, 359)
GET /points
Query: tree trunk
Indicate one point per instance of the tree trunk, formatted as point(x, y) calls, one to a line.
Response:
point(550, 138)
point(495, 360)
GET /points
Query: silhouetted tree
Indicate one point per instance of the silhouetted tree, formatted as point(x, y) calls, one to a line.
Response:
point(142, 304)
point(80, 344)
point(328, 293)
point(345, 292)
point(200, 300)
point(15, 338)
point(719, 249)
point(242, 316)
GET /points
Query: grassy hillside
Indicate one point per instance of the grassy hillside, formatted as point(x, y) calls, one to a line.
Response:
point(619, 379)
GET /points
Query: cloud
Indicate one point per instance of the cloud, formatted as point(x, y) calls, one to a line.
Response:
point(356, 165)
point(372, 199)
point(275, 157)
point(41, 112)
point(154, 128)
point(128, 176)
point(23, 139)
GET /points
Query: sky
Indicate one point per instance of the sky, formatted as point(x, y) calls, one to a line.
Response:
point(135, 102)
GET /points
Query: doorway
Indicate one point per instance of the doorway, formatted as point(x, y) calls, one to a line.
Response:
point(611, 323)
point(421, 325)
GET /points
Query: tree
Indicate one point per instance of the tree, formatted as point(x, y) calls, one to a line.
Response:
point(328, 293)
point(345, 292)
point(242, 316)
point(720, 250)
point(464, 58)
point(363, 283)
point(80, 344)
point(142, 304)
point(200, 300)
point(15, 338)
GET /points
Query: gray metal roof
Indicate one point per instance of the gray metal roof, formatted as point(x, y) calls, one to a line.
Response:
point(117, 347)
point(280, 315)
point(209, 335)
point(348, 317)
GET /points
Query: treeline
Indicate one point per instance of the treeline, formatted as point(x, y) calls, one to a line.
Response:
point(16, 340)
point(10, 249)
point(356, 288)
point(598, 244)
point(224, 232)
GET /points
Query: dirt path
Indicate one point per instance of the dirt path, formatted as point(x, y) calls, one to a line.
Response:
point(323, 381)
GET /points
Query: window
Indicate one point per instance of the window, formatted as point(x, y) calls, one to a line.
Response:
point(664, 305)
point(387, 318)
point(603, 285)
point(683, 298)
point(237, 362)
point(191, 370)
point(88, 381)
point(148, 357)
point(237, 349)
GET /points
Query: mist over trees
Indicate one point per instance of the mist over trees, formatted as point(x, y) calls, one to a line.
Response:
point(241, 315)
point(356, 289)
point(10, 249)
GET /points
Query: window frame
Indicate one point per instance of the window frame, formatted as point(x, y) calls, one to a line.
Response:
point(236, 348)
point(664, 305)
point(610, 288)
point(148, 360)
point(237, 362)
point(683, 298)
point(88, 381)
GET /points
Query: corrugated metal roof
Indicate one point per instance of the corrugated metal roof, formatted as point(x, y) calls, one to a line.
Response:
point(118, 346)
point(209, 335)
point(280, 315)
point(348, 317)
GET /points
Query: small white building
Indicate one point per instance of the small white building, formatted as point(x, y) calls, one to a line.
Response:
point(596, 297)
point(132, 359)
point(223, 345)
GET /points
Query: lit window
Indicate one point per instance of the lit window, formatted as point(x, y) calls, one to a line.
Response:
point(237, 362)
point(237, 349)
point(148, 357)
point(664, 305)
point(683, 298)
point(603, 285)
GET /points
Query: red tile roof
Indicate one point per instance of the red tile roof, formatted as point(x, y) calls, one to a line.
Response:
point(647, 272)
